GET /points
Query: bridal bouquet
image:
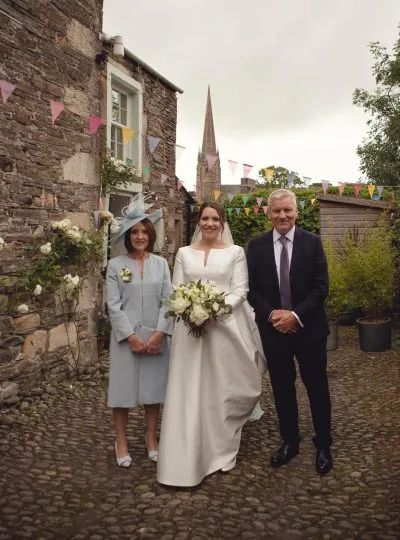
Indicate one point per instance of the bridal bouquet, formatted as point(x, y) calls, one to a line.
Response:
point(197, 303)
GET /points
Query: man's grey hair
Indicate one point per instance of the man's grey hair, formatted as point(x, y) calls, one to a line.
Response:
point(282, 194)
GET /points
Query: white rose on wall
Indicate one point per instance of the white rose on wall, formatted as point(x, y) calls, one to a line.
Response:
point(38, 290)
point(45, 248)
point(2, 243)
point(22, 308)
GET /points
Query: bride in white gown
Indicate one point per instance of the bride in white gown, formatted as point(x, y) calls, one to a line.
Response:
point(214, 382)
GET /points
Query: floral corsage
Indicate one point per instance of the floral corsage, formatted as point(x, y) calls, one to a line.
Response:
point(126, 274)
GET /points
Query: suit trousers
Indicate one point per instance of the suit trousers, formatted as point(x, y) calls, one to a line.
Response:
point(312, 361)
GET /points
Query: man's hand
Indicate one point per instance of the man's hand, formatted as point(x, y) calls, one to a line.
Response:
point(155, 342)
point(284, 321)
point(136, 344)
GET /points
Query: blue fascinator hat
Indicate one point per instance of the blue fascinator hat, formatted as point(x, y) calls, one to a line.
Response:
point(135, 212)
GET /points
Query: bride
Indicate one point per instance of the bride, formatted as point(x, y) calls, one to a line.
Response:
point(214, 382)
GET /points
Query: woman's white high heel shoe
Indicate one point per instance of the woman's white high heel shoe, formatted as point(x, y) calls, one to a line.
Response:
point(152, 454)
point(125, 461)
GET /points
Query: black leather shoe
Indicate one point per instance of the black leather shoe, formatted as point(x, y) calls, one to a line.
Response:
point(284, 454)
point(323, 461)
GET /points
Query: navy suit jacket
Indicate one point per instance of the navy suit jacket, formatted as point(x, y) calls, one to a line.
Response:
point(308, 284)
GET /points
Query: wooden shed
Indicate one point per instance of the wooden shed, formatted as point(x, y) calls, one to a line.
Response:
point(338, 213)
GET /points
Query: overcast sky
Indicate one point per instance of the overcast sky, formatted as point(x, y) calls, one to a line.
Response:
point(282, 74)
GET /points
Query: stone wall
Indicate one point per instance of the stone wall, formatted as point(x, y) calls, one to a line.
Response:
point(47, 172)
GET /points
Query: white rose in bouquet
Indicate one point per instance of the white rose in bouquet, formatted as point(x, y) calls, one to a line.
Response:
point(198, 314)
point(180, 304)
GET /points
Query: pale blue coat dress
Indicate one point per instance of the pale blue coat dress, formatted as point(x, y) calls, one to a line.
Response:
point(137, 378)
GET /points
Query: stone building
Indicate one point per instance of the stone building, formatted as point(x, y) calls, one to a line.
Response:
point(49, 170)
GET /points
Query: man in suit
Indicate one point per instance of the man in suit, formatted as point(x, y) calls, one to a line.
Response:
point(288, 281)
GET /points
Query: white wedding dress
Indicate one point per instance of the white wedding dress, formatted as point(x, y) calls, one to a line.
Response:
point(214, 382)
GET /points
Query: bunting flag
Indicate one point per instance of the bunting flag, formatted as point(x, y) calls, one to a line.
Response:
point(259, 201)
point(313, 201)
point(230, 196)
point(256, 209)
point(217, 194)
point(96, 215)
point(229, 210)
point(265, 208)
point(211, 160)
point(237, 210)
point(94, 123)
point(306, 180)
point(246, 169)
point(357, 188)
point(341, 187)
point(56, 109)
point(179, 151)
point(302, 204)
point(380, 190)
point(291, 178)
point(191, 206)
point(269, 174)
point(232, 165)
point(247, 210)
point(146, 170)
point(6, 89)
point(325, 185)
point(164, 178)
point(127, 134)
point(179, 184)
point(375, 197)
point(371, 189)
point(245, 199)
point(153, 143)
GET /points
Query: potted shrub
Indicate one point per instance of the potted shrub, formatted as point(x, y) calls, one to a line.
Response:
point(337, 298)
point(371, 271)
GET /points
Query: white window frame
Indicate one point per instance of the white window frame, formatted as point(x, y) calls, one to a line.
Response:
point(118, 78)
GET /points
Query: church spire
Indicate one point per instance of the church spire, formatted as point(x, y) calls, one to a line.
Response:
point(209, 145)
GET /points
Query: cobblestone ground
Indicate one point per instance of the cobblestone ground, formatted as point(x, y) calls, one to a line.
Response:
point(58, 477)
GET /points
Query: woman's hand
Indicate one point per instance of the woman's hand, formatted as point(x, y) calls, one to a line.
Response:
point(136, 344)
point(153, 346)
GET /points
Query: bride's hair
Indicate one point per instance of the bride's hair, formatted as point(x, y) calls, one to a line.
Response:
point(217, 207)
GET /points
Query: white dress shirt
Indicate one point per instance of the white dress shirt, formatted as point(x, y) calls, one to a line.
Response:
point(278, 246)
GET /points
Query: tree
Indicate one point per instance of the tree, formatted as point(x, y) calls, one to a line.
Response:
point(280, 177)
point(380, 150)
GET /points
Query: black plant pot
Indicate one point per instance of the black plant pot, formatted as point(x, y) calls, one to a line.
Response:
point(350, 317)
point(374, 336)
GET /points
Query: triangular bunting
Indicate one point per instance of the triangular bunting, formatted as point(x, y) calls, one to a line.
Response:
point(127, 134)
point(238, 210)
point(246, 169)
point(164, 178)
point(229, 210)
point(217, 194)
point(179, 151)
point(357, 188)
point(56, 109)
point(269, 174)
point(371, 189)
point(302, 204)
point(380, 190)
point(306, 180)
point(290, 178)
point(211, 160)
point(232, 165)
point(153, 143)
point(265, 209)
point(6, 89)
point(247, 210)
point(191, 206)
point(256, 209)
point(259, 200)
point(230, 196)
point(245, 199)
point(94, 123)
point(313, 200)
point(341, 187)
point(325, 185)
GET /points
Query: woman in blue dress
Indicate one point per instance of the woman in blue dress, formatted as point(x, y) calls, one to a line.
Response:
point(137, 285)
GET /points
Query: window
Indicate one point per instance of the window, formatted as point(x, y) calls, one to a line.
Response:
point(124, 110)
